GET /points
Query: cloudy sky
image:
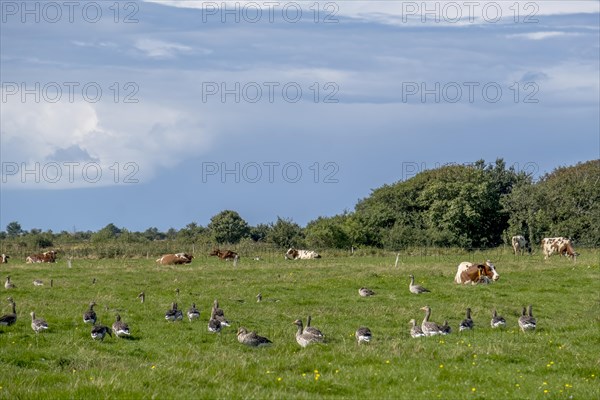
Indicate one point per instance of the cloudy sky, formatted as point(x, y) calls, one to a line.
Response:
point(162, 113)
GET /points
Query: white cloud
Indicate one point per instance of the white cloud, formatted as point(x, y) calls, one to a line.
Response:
point(149, 136)
point(541, 35)
point(160, 49)
point(447, 12)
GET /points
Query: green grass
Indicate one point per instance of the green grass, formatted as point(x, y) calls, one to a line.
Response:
point(183, 360)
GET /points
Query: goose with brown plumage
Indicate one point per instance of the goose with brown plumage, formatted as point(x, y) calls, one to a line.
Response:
point(428, 327)
point(214, 325)
point(251, 339)
point(416, 289)
point(193, 312)
point(120, 328)
point(11, 318)
point(8, 284)
point(173, 314)
point(467, 323)
point(99, 331)
point(363, 335)
point(305, 338)
point(415, 330)
point(365, 292)
point(38, 324)
point(89, 317)
point(526, 321)
point(497, 320)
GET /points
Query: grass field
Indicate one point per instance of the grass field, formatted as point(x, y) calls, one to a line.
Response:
point(561, 359)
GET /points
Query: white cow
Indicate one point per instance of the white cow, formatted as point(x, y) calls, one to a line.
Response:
point(294, 254)
point(518, 244)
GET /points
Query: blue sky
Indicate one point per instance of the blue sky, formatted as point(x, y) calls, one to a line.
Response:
point(158, 114)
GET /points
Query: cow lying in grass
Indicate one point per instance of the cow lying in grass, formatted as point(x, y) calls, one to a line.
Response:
point(175, 259)
point(45, 257)
point(294, 254)
point(468, 272)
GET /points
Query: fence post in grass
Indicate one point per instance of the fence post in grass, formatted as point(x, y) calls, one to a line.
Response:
point(69, 262)
point(235, 260)
point(397, 259)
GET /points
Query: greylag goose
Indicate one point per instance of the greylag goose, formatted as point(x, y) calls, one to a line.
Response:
point(219, 314)
point(305, 338)
point(497, 320)
point(89, 317)
point(446, 328)
point(311, 329)
point(415, 330)
point(429, 328)
point(9, 319)
point(214, 325)
point(8, 284)
point(363, 334)
point(365, 292)
point(120, 328)
point(193, 312)
point(416, 289)
point(38, 324)
point(467, 323)
point(173, 314)
point(526, 320)
point(251, 338)
point(99, 331)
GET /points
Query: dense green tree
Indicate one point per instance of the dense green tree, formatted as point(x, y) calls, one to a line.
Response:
point(228, 227)
point(110, 231)
point(285, 233)
point(455, 205)
point(13, 229)
point(327, 233)
point(154, 234)
point(565, 202)
point(260, 232)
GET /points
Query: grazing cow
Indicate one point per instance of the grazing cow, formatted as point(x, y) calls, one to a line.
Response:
point(519, 244)
point(560, 245)
point(224, 255)
point(476, 273)
point(175, 259)
point(4, 259)
point(45, 257)
point(294, 254)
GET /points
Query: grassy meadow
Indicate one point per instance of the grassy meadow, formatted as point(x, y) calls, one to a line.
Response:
point(560, 360)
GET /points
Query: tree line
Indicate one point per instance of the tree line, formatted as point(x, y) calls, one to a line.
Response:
point(468, 206)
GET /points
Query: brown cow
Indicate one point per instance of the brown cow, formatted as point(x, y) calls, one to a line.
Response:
point(4, 259)
point(224, 255)
point(175, 259)
point(45, 257)
point(476, 273)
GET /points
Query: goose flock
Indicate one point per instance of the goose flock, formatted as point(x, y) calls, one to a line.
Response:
point(305, 335)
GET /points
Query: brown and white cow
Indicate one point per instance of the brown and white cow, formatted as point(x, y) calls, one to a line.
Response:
point(295, 254)
point(468, 272)
point(175, 259)
point(4, 259)
point(560, 245)
point(45, 257)
point(224, 255)
point(519, 244)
